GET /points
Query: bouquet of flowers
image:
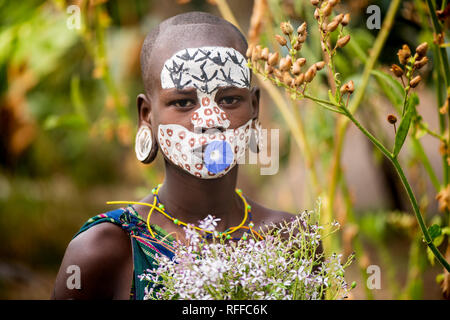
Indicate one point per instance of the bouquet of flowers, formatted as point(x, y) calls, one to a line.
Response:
point(287, 264)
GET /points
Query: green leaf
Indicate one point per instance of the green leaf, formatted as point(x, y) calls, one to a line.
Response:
point(391, 87)
point(73, 121)
point(438, 240)
point(434, 231)
point(430, 256)
point(403, 128)
point(331, 97)
point(446, 230)
point(77, 98)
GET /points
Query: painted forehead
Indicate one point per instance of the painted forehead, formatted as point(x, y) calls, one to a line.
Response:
point(206, 69)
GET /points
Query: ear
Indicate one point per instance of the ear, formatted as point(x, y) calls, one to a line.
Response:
point(144, 114)
point(255, 93)
point(144, 110)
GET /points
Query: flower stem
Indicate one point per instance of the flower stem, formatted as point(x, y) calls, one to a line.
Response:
point(428, 240)
point(412, 198)
point(356, 101)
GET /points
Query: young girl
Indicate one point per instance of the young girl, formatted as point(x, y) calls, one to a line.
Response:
point(200, 112)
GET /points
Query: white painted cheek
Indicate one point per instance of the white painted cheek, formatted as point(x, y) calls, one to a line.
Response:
point(239, 139)
point(177, 143)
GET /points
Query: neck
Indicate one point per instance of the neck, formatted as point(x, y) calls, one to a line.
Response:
point(191, 199)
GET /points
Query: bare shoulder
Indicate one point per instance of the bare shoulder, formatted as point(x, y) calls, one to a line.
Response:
point(264, 216)
point(97, 257)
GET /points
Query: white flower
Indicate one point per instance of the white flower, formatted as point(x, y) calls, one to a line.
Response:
point(250, 269)
point(209, 223)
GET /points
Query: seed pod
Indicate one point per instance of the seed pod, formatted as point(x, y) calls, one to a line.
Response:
point(397, 70)
point(311, 73)
point(339, 17)
point(265, 54)
point(421, 49)
point(345, 21)
point(302, 38)
point(347, 88)
point(256, 53)
point(301, 61)
point(250, 51)
point(286, 28)
point(392, 119)
point(268, 68)
point(281, 40)
point(299, 79)
point(298, 45)
point(301, 29)
point(438, 38)
point(316, 14)
point(327, 10)
point(332, 25)
point(415, 81)
point(319, 65)
point(287, 79)
point(292, 85)
point(419, 64)
point(278, 74)
point(315, 2)
point(296, 68)
point(351, 86)
point(344, 89)
point(285, 63)
point(343, 41)
point(403, 54)
point(273, 58)
point(333, 2)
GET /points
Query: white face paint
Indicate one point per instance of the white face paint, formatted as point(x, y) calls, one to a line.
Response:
point(216, 151)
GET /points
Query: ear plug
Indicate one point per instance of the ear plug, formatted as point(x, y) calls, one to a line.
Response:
point(218, 156)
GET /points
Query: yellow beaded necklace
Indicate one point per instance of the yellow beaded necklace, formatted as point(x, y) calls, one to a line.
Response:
point(158, 206)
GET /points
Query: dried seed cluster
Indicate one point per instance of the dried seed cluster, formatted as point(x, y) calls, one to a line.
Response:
point(288, 70)
point(410, 64)
point(328, 25)
point(291, 71)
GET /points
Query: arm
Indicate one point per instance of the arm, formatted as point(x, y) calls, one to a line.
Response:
point(103, 256)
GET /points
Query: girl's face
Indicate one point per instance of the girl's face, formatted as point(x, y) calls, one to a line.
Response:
point(205, 110)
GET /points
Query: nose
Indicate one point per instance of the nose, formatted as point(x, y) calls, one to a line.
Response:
point(209, 115)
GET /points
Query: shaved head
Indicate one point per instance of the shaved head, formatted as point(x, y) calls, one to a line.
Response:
point(187, 30)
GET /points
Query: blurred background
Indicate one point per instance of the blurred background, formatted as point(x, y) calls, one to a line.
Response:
point(68, 118)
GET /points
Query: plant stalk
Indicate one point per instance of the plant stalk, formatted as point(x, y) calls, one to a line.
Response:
point(356, 101)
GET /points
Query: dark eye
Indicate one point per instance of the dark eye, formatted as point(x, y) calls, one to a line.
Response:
point(183, 103)
point(228, 100)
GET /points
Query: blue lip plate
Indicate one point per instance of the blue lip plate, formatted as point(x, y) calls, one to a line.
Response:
point(221, 162)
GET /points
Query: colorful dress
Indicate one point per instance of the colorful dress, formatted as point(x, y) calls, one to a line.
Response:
point(144, 245)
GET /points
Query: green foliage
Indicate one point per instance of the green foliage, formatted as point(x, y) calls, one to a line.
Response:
point(405, 123)
point(395, 92)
